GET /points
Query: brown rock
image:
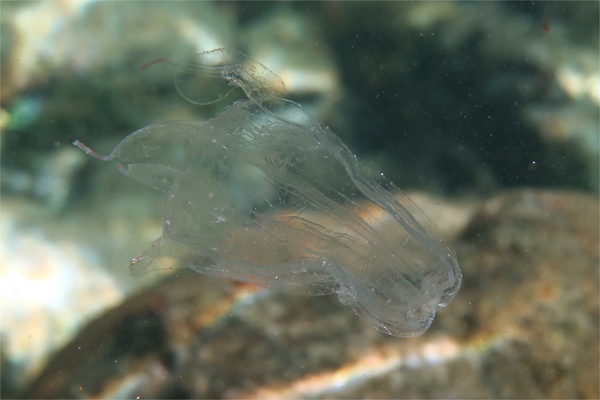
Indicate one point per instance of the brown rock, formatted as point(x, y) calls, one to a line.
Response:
point(525, 324)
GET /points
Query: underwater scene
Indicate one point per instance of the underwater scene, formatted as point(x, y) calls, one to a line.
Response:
point(299, 199)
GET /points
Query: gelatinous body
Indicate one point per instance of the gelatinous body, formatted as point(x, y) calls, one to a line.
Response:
point(264, 193)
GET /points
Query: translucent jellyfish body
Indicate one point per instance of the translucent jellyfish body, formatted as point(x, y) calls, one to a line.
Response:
point(264, 193)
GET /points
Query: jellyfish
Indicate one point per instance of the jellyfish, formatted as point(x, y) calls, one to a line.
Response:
point(264, 193)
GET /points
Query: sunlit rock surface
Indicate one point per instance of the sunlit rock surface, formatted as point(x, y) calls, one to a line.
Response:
point(50, 287)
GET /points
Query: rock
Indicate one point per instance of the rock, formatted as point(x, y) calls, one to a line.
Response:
point(525, 324)
point(50, 288)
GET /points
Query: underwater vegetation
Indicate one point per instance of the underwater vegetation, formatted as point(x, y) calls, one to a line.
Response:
point(264, 193)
